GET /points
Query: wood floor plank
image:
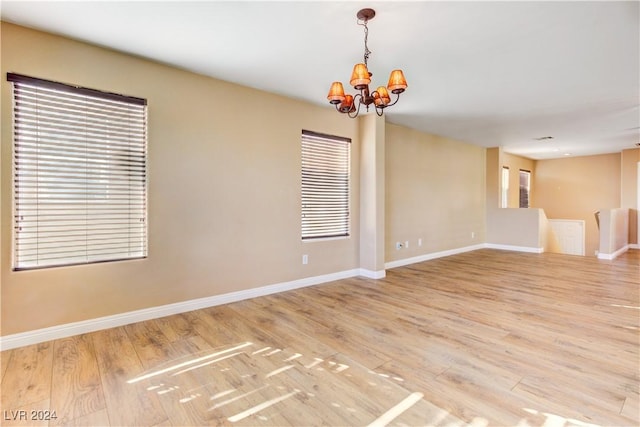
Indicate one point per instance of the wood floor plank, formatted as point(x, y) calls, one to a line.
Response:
point(285, 309)
point(224, 317)
point(127, 403)
point(316, 379)
point(344, 337)
point(157, 352)
point(150, 343)
point(593, 407)
point(28, 376)
point(98, 418)
point(207, 329)
point(176, 327)
point(261, 316)
point(218, 384)
point(631, 407)
point(5, 356)
point(76, 390)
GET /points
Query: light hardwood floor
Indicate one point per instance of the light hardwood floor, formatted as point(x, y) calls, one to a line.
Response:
point(485, 337)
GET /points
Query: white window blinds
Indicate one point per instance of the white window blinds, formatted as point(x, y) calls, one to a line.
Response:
point(325, 185)
point(79, 182)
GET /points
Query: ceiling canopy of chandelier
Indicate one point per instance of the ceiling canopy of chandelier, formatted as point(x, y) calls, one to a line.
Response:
point(360, 80)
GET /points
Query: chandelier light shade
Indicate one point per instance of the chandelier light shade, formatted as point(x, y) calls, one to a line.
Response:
point(336, 93)
point(381, 97)
point(346, 106)
point(360, 80)
point(397, 82)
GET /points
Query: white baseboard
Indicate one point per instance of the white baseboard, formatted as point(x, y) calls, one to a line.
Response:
point(614, 255)
point(634, 246)
point(529, 249)
point(370, 274)
point(433, 255)
point(70, 329)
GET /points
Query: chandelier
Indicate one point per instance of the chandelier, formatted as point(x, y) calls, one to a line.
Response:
point(360, 80)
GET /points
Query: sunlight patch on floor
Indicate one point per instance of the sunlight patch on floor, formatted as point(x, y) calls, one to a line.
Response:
point(244, 414)
point(625, 306)
point(187, 363)
point(247, 382)
point(553, 420)
point(397, 410)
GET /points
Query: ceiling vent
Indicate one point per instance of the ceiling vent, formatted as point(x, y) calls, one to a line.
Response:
point(543, 138)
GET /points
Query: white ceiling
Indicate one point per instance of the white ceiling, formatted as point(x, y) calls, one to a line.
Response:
point(488, 73)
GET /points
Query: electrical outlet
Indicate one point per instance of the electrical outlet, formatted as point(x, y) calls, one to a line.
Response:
point(420, 241)
point(406, 244)
point(473, 234)
point(305, 259)
point(398, 245)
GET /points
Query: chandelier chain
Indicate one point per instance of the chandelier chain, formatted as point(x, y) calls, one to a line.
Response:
point(367, 52)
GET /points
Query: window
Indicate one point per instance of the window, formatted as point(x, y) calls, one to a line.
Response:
point(325, 185)
point(79, 176)
point(525, 188)
point(504, 188)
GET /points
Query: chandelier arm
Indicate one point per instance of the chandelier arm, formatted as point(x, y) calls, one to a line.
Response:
point(379, 111)
point(394, 102)
point(357, 98)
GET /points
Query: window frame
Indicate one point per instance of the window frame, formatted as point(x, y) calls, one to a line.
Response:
point(36, 101)
point(340, 189)
point(504, 187)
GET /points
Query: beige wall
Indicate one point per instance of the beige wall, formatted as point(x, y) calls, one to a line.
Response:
point(548, 239)
point(528, 229)
point(224, 193)
point(515, 164)
point(435, 190)
point(493, 158)
point(629, 190)
point(523, 228)
point(577, 187)
point(614, 230)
